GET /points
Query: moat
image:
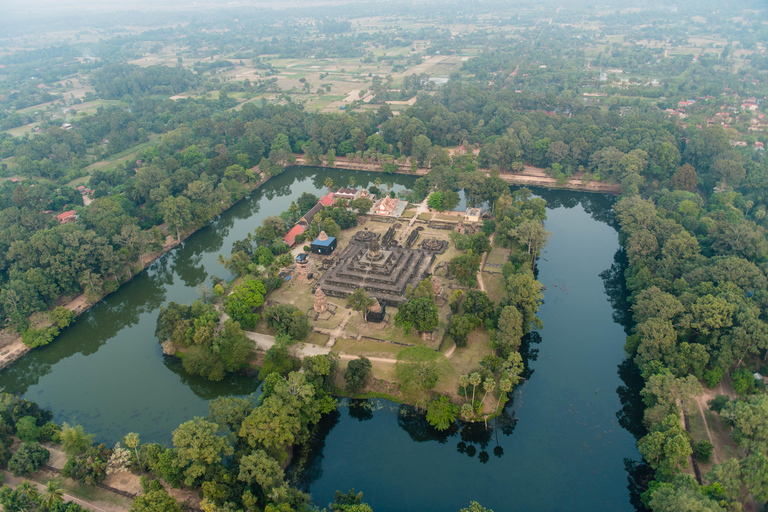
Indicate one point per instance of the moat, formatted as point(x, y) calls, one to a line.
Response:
point(560, 445)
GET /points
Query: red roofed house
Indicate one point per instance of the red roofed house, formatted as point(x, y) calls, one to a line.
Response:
point(290, 237)
point(67, 216)
point(327, 199)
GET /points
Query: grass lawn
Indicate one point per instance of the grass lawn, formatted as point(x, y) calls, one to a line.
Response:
point(498, 255)
point(408, 214)
point(494, 286)
point(425, 216)
point(317, 338)
point(123, 155)
point(366, 347)
point(389, 332)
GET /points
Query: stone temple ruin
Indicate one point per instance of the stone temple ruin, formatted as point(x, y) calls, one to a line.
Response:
point(382, 271)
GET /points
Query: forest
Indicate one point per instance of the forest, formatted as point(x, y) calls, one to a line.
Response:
point(667, 105)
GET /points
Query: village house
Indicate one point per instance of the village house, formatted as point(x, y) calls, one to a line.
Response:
point(67, 216)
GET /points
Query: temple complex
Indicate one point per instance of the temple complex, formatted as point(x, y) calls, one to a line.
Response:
point(383, 272)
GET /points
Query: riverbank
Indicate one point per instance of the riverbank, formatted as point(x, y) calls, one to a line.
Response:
point(530, 176)
point(13, 348)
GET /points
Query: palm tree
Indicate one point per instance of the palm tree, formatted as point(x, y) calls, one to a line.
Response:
point(377, 182)
point(489, 385)
point(474, 379)
point(464, 383)
point(131, 440)
point(505, 386)
point(27, 496)
point(53, 494)
point(466, 411)
point(329, 183)
point(351, 182)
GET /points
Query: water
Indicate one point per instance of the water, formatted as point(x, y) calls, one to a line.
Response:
point(561, 444)
point(107, 371)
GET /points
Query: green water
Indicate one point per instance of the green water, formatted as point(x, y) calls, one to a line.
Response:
point(561, 445)
point(107, 371)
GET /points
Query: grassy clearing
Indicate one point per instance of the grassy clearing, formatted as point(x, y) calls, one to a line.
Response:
point(367, 347)
point(425, 216)
point(494, 286)
point(317, 338)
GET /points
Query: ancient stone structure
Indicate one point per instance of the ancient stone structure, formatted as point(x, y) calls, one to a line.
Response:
point(377, 312)
point(364, 237)
point(389, 237)
point(411, 238)
point(437, 288)
point(320, 302)
point(382, 271)
point(434, 246)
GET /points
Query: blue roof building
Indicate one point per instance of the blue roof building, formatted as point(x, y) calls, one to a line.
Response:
point(323, 244)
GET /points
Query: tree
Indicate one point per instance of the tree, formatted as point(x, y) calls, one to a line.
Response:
point(363, 205)
point(465, 267)
point(532, 234)
point(177, 213)
point(464, 384)
point(509, 330)
point(357, 373)
point(474, 379)
point(665, 447)
point(489, 385)
point(505, 386)
point(749, 419)
point(685, 178)
point(288, 320)
point(243, 300)
point(330, 157)
point(198, 446)
point(74, 440)
point(435, 201)
point(328, 184)
point(28, 459)
point(53, 494)
point(525, 294)
point(419, 313)
point(441, 413)
point(131, 440)
point(258, 467)
point(273, 424)
point(475, 507)
point(27, 429)
point(157, 500)
point(361, 302)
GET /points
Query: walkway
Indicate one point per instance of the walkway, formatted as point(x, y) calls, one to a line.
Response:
point(98, 506)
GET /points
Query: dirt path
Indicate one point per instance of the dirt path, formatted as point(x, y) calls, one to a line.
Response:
point(96, 505)
point(706, 427)
point(451, 351)
point(482, 264)
point(374, 359)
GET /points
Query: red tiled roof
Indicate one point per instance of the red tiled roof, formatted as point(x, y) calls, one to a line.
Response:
point(290, 237)
point(66, 215)
point(327, 199)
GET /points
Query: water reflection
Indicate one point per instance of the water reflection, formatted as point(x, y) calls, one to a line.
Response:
point(630, 416)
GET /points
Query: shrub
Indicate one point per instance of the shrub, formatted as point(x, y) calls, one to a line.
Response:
point(713, 376)
point(702, 451)
point(717, 403)
point(743, 381)
point(27, 429)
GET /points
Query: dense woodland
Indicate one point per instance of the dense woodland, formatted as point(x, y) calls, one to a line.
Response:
point(692, 220)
